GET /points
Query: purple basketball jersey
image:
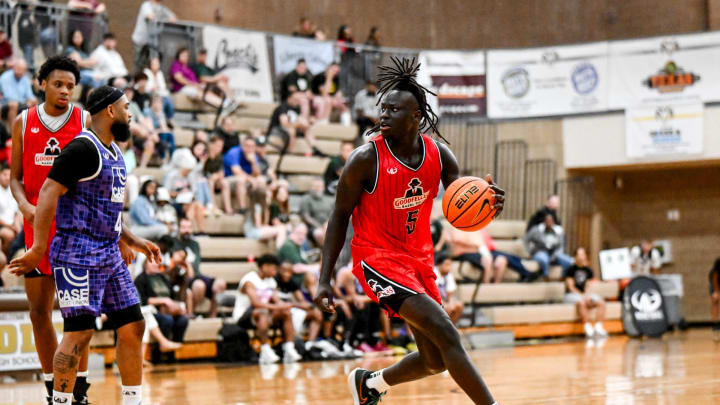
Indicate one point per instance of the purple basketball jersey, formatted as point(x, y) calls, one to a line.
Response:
point(89, 218)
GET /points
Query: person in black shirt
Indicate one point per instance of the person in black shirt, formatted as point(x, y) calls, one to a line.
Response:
point(714, 279)
point(289, 290)
point(297, 80)
point(551, 206)
point(335, 167)
point(227, 132)
point(328, 95)
point(290, 119)
point(577, 278)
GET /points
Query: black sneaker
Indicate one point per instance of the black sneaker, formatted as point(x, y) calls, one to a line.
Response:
point(362, 395)
point(80, 392)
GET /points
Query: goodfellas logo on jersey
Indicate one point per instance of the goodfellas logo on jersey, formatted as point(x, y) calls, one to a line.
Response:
point(118, 187)
point(413, 197)
point(73, 287)
point(51, 151)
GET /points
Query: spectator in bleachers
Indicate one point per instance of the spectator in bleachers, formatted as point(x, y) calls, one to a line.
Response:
point(76, 51)
point(166, 212)
point(242, 170)
point(145, 138)
point(551, 206)
point(228, 133)
point(209, 76)
point(373, 38)
point(152, 328)
point(503, 260)
point(142, 213)
point(154, 288)
point(180, 273)
point(297, 80)
point(645, 259)
point(6, 53)
point(472, 247)
point(315, 209)
point(16, 91)
point(10, 217)
point(166, 138)
point(335, 167)
point(293, 251)
point(305, 29)
point(260, 307)
point(447, 287)
point(182, 183)
point(714, 281)
point(157, 85)
point(328, 96)
point(184, 80)
point(280, 204)
point(290, 291)
point(83, 15)
point(578, 278)
point(546, 244)
point(292, 118)
point(149, 10)
point(261, 152)
point(141, 96)
point(367, 110)
point(345, 36)
point(110, 65)
point(201, 186)
point(214, 172)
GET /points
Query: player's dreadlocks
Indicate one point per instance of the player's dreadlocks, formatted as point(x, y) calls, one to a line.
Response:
point(403, 76)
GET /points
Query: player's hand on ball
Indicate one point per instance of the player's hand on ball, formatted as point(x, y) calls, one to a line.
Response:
point(126, 253)
point(324, 297)
point(499, 196)
point(26, 263)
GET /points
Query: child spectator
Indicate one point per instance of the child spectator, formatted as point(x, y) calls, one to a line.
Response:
point(181, 182)
point(645, 259)
point(157, 85)
point(165, 212)
point(577, 279)
point(447, 287)
point(142, 213)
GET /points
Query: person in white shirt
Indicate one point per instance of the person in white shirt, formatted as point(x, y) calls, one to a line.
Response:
point(447, 286)
point(156, 84)
point(259, 306)
point(110, 64)
point(367, 110)
point(149, 10)
point(645, 259)
point(10, 219)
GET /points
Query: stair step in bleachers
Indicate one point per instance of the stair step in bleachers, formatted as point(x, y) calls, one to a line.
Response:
point(203, 330)
point(242, 124)
point(301, 147)
point(156, 173)
point(300, 164)
point(335, 131)
point(512, 246)
point(231, 272)
point(300, 183)
point(185, 103)
point(542, 313)
point(506, 229)
point(255, 109)
point(529, 292)
point(183, 137)
point(232, 248)
point(224, 225)
point(461, 269)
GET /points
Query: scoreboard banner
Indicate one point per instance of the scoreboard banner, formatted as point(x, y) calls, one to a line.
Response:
point(661, 130)
point(665, 70)
point(17, 345)
point(458, 79)
point(243, 57)
point(287, 50)
point(547, 81)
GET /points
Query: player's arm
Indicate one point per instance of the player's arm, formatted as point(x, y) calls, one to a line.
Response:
point(16, 172)
point(141, 245)
point(360, 171)
point(451, 172)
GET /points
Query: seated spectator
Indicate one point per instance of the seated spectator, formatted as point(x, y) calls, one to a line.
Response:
point(166, 144)
point(215, 173)
point(83, 13)
point(154, 288)
point(291, 119)
point(201, 187)
point(259, 306)
point(142, 214)
point(210, 77)
point(328, 97)
point(714, 280)
point(551, 206)
point(262, 158)
point(645, 259)
point(142, 129)
point(182, 183)
point(367, 111)
point(577, 279)
point(280, 204)
point(447, 287)
point(503, 260)
point(546, 244)
point(110, 65)
point(165, 211)
point(298, 79)
point(76, 51)
point(345, 36)
point(201, 286)
point(335, 167)
point(157, 85)
point(227, 132)
point(16, 91)
point(293, 251)
point(150, 10)
point(290, 291)
point(472, 247)
point(6, 53)
point(180, 272)
point(10, 217)
point(184, 80)
point(152, 328)
point(315, 210)
point(373, 38)
point(242, 170)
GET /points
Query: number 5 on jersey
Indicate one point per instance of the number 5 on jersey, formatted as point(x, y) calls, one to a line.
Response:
point(411, 220)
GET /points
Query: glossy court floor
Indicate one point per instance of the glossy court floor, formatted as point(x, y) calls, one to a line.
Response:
point(682, 368)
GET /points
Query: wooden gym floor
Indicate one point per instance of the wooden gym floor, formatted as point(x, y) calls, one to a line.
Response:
point(682, 368)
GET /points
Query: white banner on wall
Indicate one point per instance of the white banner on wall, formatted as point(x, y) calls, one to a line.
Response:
point(664, 130)
point(665, 70)
point(17, 345)
point(458, 79)
point(317, 54)
point(547, 81)
point(243, 57)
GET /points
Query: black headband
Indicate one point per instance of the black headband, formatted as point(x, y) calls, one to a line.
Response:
point(106, 101)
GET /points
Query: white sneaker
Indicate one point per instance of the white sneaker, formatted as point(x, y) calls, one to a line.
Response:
point(268, 357)
point(589, 331)
point(328, 348)
point(599, 330)
point(349, 351)
point(291, 355)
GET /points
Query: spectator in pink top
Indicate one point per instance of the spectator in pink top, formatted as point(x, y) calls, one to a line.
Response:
point(184, 81)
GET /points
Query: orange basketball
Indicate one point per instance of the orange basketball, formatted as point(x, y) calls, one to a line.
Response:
point(467, 204)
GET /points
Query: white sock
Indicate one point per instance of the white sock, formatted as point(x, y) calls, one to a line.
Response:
point(48, 377)
point(62, 398)
point(288, 346)
point(83, 373)
point(377, 382)
point(131, 394)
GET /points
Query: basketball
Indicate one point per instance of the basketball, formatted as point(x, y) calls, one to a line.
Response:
point(467, 204)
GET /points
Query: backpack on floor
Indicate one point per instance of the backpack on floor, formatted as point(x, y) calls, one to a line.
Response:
point(234, 345)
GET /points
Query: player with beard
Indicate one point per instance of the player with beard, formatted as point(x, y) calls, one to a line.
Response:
point(86, 186)
point(388, 187)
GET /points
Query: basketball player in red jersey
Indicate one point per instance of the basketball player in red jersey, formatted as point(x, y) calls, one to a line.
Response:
point(388, 187)
point(38, 136)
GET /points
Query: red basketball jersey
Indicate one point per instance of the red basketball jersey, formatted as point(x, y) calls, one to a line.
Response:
point(394, 218)
point(40, 148)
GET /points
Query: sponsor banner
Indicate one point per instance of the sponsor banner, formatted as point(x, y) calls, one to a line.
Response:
point(17, 345)
point(287, 51)
point(458, 79)
point(664, 70)
point(664, 130)
point(615, 264)
point(547, 81)
point(645, 305)
point(243, 57)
